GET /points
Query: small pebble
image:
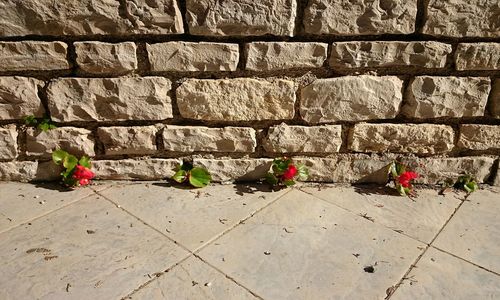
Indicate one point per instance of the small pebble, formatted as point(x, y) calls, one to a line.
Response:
point(267, 253)
point(208, 284)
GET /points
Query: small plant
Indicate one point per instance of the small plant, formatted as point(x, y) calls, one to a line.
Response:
point(196, 176)
point(467, 183)
point(43, 124)
point(284, 172)
point(77, 171)
point(401, 178)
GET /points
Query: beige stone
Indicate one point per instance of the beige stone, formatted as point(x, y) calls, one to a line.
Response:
point(273, 56)
point(18, 170)
point(479, 137)
point(244, 169)
point(8, 142)
point(360, 17)
point(198, 138)
point(239, 99)
point(132, 169)
point(462, 18)
point(478, 56)
point(89, 17)
point(109, 99)
point(302, 139)
point(495, 99)
point(193, 57)
point(241, 17)
point(496, 181)
point(402, 138)
point(128, 140)
point(389, 54)
point(77, 141)
point(19, 97)
point(31, 55)
point(434, 97)
point(351, 98)
point(99, 57)
point(437, 170)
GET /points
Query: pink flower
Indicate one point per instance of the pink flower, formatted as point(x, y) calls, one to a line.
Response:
point(290, 173)
point(83, 175)
point(406, 177)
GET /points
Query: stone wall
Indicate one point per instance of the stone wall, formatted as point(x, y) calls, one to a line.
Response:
point(343, 86)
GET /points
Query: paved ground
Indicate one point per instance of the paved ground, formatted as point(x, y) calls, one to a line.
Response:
point(154, 241)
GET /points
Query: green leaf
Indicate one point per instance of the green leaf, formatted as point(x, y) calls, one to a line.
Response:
point(280, 165)
point(199, 177)
point(59, 156)
point(471, 187)
point(271, 179)
point(30, 120)
point(70, 162)
point(186, 166)
point(289, 182)
point(180, 176)
point(85, 161)
point(44, 126)
point(392, 170)
point(400, 168)
point(401, 190)
point(303, 172)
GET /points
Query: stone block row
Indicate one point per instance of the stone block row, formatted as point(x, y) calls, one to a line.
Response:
point(347, 98)
point(450, 18)
point(121, 58)
point(421, 139)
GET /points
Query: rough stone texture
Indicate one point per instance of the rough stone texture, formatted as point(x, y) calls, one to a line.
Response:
point(31, 55)
point(109, 99)
point(77, 141)
point(239, 99)
point(495, 99)
point(225, 170)
point(351, 98)
point(434, 97)
point(478, 56)
point(272, 56)
point(18, 170)
point(99, 57)
point(19, 98)
point(89, 17)
point(360, 17)
point(191, 57)
point(198, 138)
point(496, 181)
point(347, 169)
point(437, 170)
point(241, 17)
point(389, 54)
point(401, 138)
point(463, 18)
point(302, 139)
point(128, 140)
point(479, 137)
point(131, 169)
point(8, 142)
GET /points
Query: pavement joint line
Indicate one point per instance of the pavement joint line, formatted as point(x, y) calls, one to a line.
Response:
point(49, 212)
point(358, 215)
point(192, 253)
point(425, 250)
point(465, 260)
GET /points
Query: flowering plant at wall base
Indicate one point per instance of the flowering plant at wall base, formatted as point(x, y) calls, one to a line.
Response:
point(402, 179)
point(43, 124)
point(466, 183)
point(76, 171)
point(196, 176)
point(284, 172)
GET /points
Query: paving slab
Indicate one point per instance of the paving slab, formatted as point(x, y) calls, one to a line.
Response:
point(88, 250)
point(194, 280)
point(22, 202)
point(474, 231)
point(301, 247)
point(191, 217)
point(441, 276)
point(420, 218)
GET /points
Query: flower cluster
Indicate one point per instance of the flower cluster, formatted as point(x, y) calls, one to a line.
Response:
point(76, 171)
point(284, 172)
point(402, 179)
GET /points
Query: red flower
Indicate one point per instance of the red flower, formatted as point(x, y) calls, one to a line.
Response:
point(83, 175)
point(406, 177)
point(290, 173)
